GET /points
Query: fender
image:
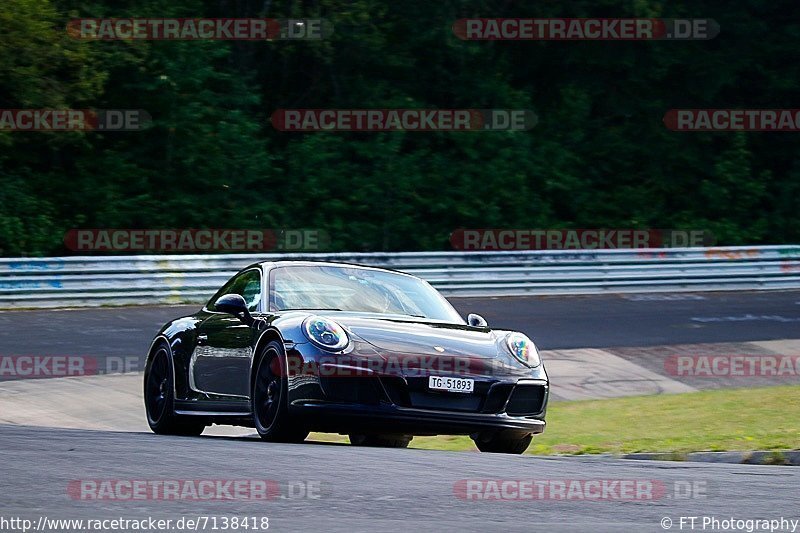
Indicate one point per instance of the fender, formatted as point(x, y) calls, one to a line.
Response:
point(150, 353)
point(269, 334)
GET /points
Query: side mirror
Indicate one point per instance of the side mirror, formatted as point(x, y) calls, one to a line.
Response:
point(476, 321)
point(234, 304)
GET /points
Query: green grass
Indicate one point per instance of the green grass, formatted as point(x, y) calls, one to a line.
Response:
point(720, 420)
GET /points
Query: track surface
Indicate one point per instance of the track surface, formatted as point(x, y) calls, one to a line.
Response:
point(364, 489)
point(553, 322)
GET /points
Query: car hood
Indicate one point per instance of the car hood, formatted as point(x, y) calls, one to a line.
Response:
point(417, 337)
point(409, 346)
point(421, 337)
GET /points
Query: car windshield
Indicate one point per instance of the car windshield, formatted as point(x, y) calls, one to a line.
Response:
point(327, 287)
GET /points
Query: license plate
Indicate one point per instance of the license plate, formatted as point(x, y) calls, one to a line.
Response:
point(451, 384)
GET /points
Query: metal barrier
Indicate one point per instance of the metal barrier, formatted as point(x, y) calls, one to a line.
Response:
point(121, 280)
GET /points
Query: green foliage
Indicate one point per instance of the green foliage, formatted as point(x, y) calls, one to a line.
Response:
point(600, 155)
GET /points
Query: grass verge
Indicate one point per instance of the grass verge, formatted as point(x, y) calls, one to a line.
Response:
point(765, 418)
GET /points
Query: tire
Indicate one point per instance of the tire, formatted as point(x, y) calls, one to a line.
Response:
point(159, 398)
point(269, 401)
point(501, 442)
point(381, 441)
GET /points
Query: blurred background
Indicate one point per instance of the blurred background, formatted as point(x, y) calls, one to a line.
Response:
point(600, 155)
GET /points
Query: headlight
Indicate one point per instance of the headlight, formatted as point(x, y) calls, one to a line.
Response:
point(523, 349)
point(325, 333)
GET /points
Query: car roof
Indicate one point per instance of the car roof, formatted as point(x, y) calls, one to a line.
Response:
point(291, 262)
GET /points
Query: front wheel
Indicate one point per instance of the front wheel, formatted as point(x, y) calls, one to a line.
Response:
point(159, 398)
point(501, 442)
point(269, 399)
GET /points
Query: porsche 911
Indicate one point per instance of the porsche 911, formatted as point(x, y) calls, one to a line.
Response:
point(291, 347)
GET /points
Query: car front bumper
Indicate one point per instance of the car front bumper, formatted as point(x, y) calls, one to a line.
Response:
point(359, 418)
point(335, 399)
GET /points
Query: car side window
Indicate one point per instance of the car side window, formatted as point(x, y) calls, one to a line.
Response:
point(247, 285)
point(251, 289)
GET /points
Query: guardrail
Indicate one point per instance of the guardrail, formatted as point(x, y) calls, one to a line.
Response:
point(121, 280)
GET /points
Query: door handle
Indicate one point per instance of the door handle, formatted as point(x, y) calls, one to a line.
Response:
point(202, 338)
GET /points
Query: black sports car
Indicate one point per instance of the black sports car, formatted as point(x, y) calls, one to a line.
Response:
point(290, 347)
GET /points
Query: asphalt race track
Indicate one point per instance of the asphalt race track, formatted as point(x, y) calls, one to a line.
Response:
point(365, 489)
point(644, 319)
point(633, 320)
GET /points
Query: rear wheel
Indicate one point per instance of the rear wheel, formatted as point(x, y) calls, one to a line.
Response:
point(382, 441)
point(502, 442)
point(159, 398)
point(270, 402)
